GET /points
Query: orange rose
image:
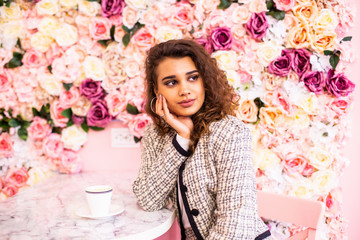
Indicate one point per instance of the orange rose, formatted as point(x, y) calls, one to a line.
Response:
point(247, 110)
point(299, 36)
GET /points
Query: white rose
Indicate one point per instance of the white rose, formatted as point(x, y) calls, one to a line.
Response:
point(41, 42)
point(73, 137)
point(66, 35)
point(89, 8)
point(47, 7)
point(37, 175)
point(227, 59)
point(265, 158)
point(10, 13)
point(320, 158)
point(51, 85)
point(132, 68)
point(233, 78)
point(13, 29)
point(309, 103)
point(69, 3)
point(326, 19)
point(300, 120)
point(165, 33)
point(302, 188)
point(48, 26)
point(241, 14)
point(268, 51)
point(324, 181)
point(94, 68)
point(137, 4)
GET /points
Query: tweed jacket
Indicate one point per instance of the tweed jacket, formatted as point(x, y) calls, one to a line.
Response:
point(217, 182)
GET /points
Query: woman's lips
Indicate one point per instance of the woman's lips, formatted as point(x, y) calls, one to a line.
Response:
point(187, 103)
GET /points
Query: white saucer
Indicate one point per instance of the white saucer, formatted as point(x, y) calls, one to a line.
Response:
point(84, 211)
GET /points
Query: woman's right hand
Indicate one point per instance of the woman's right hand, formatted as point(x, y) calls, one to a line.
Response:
point(182, 125)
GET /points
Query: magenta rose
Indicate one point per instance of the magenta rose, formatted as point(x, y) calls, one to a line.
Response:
point(111, 7)
point(78, 120)
point(98, 115)
point(91, 89)
point(314, 81)
point(301, 61)
point(205, 43)
point(338, 84)
point(257, 25)
point(281, 66)
point(221, 38)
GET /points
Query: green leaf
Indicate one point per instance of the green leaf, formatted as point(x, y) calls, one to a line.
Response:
point(22, 133)
point(126, 29)
point(18, 43)
point(14, 123)
point(67, 113)
point(56, 130)
point(8, 3)
point(49, 68)
point(328, 52)
point(270, 4)
point(345, 39)
point(126, 39)
point(85, 127)
point(334, 60)
point(35, 112)
point(96, 128)
point(136, 28)
point(26, 124)
point(112, 32)
point(1, 3)
point(103, 42)
point(136, 139)
point(224, 4)
point(69, 123)
point(43, 111)
point(132, 109)
point(67, 86)
point(277, 14)
point(15, 61)
point(259, 103)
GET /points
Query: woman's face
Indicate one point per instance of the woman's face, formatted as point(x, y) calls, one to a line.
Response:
point(181, 84)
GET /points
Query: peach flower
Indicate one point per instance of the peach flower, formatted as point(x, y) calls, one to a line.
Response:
point(129, 17)
point(240, 14)
point(39, 128)
point(306, 12)
point(10, 190)
point(270, 81)
point(271, 117)
point(299, 36)
point(247, 110)
point(323, 40)
point(257, 6)
point(17, 177)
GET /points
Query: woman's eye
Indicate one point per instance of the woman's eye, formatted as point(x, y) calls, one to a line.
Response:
point(194, 77)
point(170, 83)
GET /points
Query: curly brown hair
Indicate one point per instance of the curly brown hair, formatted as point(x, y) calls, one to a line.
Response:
point(220, 98)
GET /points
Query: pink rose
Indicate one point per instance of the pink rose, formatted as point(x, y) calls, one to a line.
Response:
point(116, 103)
point(282, 101)
point(10, 190)
point(116, 20)
point(184, 15)
point(138, 123)
point(2, 183)
point(5, 81)
point(244, 76)
point(68, 98)
point(70, 162)
point(284, 5)
point(6, 145)
point(39, 128)
point(143, 39)
point(67, 67)
point(294, 164)
point(308, 170)
point(52, 146)
point(17, 177)
point(100, 28)
point(34, 59)
point(55, 113)
point(340, 105)
point(54, 51)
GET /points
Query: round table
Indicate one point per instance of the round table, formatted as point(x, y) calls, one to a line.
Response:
point(48, 211)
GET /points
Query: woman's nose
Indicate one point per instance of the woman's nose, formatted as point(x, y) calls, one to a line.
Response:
point(184, 89)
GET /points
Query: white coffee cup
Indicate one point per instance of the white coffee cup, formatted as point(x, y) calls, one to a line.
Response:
point(99, 199)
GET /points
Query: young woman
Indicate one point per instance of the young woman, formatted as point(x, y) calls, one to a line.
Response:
point(196, 152)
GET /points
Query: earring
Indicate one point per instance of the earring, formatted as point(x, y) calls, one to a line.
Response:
point(151, 103)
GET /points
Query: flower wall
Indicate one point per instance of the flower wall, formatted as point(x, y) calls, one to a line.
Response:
point(72, 66)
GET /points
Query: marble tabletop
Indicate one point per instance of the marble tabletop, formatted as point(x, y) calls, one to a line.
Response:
point(48, 211)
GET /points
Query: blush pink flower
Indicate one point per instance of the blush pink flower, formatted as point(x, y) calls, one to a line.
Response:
point(5, 80)
point(143, 39)
point(6, 145)
point(116, 103)
point(67, 67)
point(52, 146)
point(100, 28)
point(10, 190)
point(68, 98)
point(284, 5)
point(39, 128)
point(183, 16)
point(34, 59)
point(54, 51)
point(294, 163)
point(70, 162)
point(138, 123)
point(340, 105)
point(55, 113)
point(17, 177)
point(5, 56)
